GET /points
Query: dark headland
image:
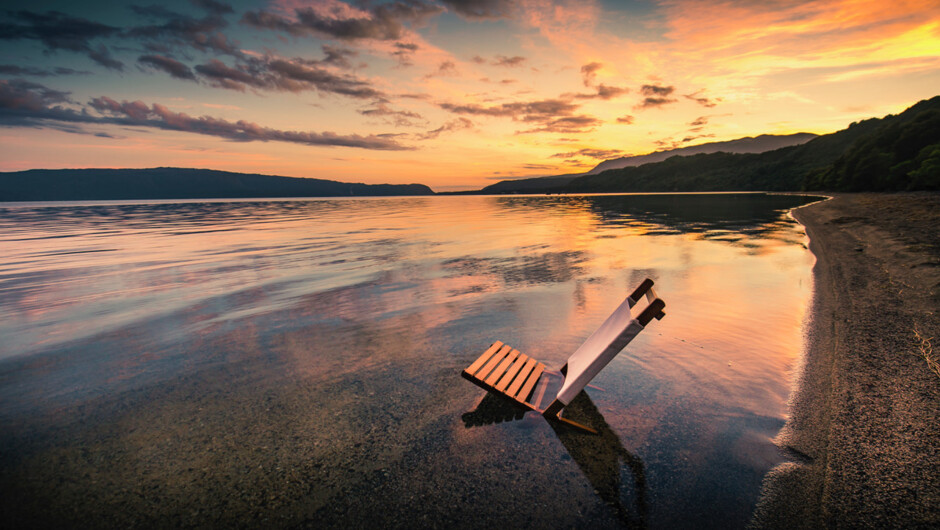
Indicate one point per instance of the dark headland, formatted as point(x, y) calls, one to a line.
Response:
point(178, 183)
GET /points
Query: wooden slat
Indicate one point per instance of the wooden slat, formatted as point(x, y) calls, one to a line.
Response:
point(513, 370)
point(477, 364)
point(501, 369)
point(527, 387)
point(485, 371)
point(540, 393)
point(526, 370)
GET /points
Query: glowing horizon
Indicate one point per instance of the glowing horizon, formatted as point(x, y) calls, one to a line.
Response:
point(455, 94)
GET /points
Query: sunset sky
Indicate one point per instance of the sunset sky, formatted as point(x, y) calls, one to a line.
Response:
point(453, 94)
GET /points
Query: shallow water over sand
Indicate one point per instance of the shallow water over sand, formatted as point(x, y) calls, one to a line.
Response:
point(296, 363)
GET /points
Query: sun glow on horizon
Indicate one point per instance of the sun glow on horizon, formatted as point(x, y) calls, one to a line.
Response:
point(453, 94)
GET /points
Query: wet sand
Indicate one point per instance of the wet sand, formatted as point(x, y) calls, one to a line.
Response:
point(865, 422)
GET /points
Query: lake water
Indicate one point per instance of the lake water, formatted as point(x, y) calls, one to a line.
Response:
point(296, 363)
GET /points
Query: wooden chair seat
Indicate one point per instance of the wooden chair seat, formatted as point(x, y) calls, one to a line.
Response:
point(504, 371)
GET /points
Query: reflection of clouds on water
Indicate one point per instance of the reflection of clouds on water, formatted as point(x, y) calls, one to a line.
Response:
point(544, 267)
point(332, 332)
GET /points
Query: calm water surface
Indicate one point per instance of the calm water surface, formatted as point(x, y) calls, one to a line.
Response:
point(296, 363)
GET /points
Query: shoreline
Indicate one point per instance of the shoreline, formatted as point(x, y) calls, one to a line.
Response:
point(862, 432)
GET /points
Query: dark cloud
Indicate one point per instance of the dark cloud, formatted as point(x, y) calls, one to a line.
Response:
point(238, 78)
point(139, 114)
point(655, 102)
point(445, 69)
point(171, 66)
point(10, 69)
point(295, 77)
point(701, 100)
point(453, 125)
point(481, 9)
point(589, 72)
point(532, 111)
point(339, 57)
point(102, 56)
point(285, 75)
point(605, 92)
point(698, 122)
point(548, 115)
point(404, 52)
point(600, 154)
point(214, 7)
point(478, 60)
point(502, 60)
point(58, 31)
point(628, 120)
point(657, 90)
point(688, 139)
point(656, 96)
point(399, 118)
point(31, 104)
point(23, 103)
point(569, 124)
point(183, 31)
point(385, 21)
point(28, 104)
point(20, 94)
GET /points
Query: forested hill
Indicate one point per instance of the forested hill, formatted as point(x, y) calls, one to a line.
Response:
point(178, 183)
point(897, 152)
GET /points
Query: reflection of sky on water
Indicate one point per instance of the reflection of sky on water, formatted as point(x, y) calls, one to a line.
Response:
point(383, 301)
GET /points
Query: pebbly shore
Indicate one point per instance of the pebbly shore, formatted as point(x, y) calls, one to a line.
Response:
point(863, 433)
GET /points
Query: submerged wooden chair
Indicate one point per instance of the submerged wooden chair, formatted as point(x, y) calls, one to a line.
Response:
point(504, 371)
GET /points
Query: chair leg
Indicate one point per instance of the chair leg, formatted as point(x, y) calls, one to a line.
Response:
point(553, 412)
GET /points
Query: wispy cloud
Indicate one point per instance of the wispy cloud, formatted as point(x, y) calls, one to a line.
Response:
point(451, 126)
point(549, 115)
point(176, 30)
point(34, 105)
point(444, 69)
point(169, 65)
point(12, 69)
point(567, 125)
point(702, 100)
point(605, 92)
point(342, 21)
point(502, 60)
point(656, 96)
point(481, 9)
point(284, 75)
point(589, 73)
point(599, 154)
point(58, 31)
point(399, 118)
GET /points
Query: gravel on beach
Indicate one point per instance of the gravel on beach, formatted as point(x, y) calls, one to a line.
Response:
point(864, 421)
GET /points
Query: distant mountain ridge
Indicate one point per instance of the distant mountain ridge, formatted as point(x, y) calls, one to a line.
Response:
point(894, 153)
point(749, 144)
point(178, 183)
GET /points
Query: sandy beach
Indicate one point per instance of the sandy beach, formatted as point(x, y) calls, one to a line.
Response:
point(863, 425)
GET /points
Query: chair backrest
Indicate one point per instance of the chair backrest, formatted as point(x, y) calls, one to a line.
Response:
point(611, 337)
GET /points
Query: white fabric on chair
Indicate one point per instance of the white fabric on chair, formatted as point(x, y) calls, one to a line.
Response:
point(598, 350)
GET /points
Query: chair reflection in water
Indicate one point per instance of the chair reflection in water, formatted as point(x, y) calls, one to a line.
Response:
point(509, 374)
